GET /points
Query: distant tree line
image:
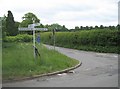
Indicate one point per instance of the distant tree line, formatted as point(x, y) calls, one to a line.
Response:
point(10, 27)
point(77, 28)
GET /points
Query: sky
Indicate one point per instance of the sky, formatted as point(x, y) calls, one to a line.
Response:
point(70, 13)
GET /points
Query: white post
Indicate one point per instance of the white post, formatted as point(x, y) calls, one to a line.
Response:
point(34, 41)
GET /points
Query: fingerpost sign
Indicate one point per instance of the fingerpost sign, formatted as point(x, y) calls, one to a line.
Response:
point(31, 27)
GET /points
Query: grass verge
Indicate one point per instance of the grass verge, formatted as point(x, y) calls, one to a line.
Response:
point(18, 61)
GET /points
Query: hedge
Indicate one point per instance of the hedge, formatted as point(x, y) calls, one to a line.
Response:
point(94, 40)
point(88, 38)
point(18, 38)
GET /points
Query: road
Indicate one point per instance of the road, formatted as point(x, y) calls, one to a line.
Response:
point(97, 70)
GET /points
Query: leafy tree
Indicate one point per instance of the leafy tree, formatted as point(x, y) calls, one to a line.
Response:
point(91, 27)
point(56, 26)
point(112, 27)
point(76, 28)
point(28, 19)
point(118, 27)
point(64, 28)
point(3, 26)
point(10, 25)
point(87, 28)
point(101, 27)
point(81, 27)
point(17, 25)
point(96, 27)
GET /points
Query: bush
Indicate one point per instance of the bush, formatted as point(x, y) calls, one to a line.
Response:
point(18, 38)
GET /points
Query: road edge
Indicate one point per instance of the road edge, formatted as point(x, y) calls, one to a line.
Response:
point(42, 75)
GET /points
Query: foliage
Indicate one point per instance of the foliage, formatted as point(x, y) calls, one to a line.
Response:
point(77, 28)
point(28, 19)
point(101, 38)
point(57, 27)
point(4, 27)
point(18, 38)
point(11, 30)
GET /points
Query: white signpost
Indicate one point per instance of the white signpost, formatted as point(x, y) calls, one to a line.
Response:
point(31, 27)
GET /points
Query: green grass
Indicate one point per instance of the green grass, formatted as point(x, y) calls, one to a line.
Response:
point(18, 61)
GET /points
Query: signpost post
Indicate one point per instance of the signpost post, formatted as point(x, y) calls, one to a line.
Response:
point(31, 27)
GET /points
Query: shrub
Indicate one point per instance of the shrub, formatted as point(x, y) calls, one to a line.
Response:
point(18, 38)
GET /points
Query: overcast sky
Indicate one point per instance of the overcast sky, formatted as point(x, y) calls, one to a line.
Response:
point(70, 13)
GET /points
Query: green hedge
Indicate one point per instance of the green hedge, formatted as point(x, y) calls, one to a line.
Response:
point(94, 40)
point(87, 38)
point(18, 38)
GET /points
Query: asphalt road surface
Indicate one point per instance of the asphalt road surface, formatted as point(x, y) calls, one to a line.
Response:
point(97, 70)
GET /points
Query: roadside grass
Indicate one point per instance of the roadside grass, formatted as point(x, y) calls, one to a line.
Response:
point(18, 61)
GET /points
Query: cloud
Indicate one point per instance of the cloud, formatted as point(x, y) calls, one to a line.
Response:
point(67, 12)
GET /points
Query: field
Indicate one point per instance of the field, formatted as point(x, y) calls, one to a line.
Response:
point(18, 60)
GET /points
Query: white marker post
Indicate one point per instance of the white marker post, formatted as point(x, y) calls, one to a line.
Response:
point(31, 27)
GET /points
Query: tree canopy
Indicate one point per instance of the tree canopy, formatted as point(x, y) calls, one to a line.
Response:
point(10, 25)
point(56, 26)
point(28, 19)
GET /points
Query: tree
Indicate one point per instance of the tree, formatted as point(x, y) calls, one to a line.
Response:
point(28, 19)
point(118, 27)
point(10, 25)
point(17, 25)
point(76, 28)
point(3, 26)
point(96, 27)
point(87, 28)
point(91, 27)
point(81, 27)
point(64, 28)
point(54, 26)
point(101, 27)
